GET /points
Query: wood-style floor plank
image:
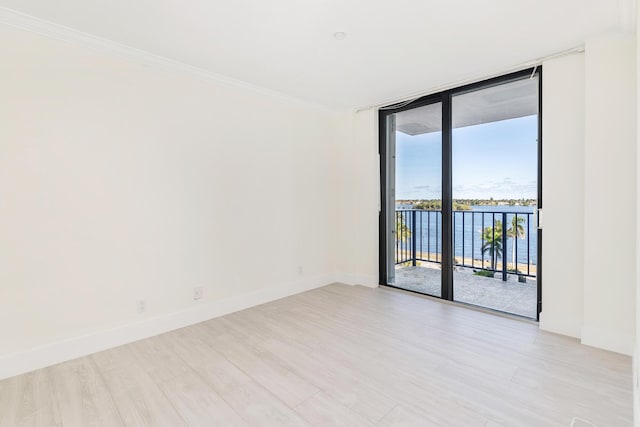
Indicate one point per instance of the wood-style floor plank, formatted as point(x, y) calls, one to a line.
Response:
point(28, 400)
point(198, 351)
point(404, 416)
point(199, 404)
point(82, 395)
point(258, 407)
point(270, 372)
point(322, 410)
point(335, 380)
point(139, 400)
point(337, 355)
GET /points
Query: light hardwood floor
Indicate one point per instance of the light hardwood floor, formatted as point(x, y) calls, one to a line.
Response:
point(338, 355)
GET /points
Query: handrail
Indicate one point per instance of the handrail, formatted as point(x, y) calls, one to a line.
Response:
point(497, 232)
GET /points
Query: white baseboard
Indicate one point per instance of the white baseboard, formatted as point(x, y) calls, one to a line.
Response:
point(560, 325)
point(588, 335)
point(72, 348)
point(355, 279)
point(607, 339)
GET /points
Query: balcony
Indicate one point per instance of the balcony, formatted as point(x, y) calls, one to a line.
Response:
point(495, 257)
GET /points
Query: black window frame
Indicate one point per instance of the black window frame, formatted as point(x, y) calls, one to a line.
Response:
point(445, 98)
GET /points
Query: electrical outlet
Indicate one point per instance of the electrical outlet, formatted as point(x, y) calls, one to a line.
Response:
point(197, 293)
point(141, 306)
point(299, 270)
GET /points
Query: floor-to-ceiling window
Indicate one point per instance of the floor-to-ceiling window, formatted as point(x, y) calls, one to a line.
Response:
point(461, 192)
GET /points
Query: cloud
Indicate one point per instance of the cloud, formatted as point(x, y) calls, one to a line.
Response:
point(506, 188)
point(424, 191)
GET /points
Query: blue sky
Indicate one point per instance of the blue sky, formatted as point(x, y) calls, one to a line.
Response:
point(496, 160)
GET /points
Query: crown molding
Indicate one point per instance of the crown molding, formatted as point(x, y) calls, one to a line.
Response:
point(52, 30)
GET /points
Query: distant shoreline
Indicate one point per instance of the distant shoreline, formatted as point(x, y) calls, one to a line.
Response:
point(471, 202)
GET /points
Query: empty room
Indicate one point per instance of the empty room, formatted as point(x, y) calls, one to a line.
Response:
point(321, 213)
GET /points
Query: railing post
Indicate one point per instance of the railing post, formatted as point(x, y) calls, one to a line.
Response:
point(413, 236)
point(504, 246)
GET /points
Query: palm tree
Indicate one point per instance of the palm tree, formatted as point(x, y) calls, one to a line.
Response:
point(492, 237)
point(403, 233)
point(516, 231)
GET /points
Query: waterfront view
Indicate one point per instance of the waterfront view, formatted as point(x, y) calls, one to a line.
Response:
point(473, 233)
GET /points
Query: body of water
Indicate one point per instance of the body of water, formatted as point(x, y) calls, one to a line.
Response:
point(468, 226)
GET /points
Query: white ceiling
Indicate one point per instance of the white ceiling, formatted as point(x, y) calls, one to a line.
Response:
point(392, 48)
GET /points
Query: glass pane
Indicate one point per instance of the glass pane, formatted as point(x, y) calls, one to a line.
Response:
point(418, 196)
point(494, 181)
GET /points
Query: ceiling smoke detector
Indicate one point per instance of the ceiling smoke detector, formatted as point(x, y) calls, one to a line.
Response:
point(340, 35)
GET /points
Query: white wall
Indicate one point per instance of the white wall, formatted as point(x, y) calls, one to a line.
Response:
point(563, 191)
point(589, 194)
point(636, 353)
point(120, 182)
point(359, 194)
point(610, 193)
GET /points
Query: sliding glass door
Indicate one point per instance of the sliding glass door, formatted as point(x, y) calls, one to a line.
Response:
point(494, 189)
point(460, 195)
point(415, 174)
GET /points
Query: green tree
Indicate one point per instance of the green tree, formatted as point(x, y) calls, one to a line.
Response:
point(428, 205)
point(436, 205)
point(492, 245)
point(403, 233)
point(516, 231)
